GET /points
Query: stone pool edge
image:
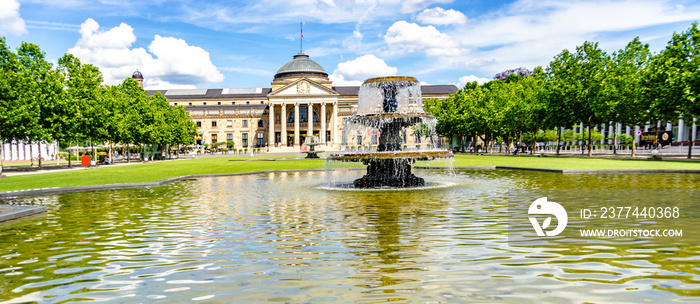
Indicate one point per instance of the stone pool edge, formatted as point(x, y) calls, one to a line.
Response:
point(16, 212)
point(57, 190)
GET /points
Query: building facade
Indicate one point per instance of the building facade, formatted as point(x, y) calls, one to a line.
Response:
point(300, 102)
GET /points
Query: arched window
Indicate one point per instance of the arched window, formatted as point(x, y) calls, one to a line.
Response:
point(303, 115)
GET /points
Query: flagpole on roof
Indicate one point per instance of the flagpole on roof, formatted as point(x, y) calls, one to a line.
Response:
point(301, 41)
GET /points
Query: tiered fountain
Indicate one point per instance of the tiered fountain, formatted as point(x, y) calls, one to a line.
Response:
point(390, 105)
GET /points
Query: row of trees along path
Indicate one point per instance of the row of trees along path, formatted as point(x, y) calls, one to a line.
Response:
point(68, 103)
point(631, 86)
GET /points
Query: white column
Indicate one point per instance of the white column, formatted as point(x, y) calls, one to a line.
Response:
point(636, 130)
point(323, 123)
point(669, 127)
point(310, 119)
point(271, 127)
point(283, 124)
point(681, 129)
point(627, 130)
point(695, 129)
point(335, 123)
point(296, 124)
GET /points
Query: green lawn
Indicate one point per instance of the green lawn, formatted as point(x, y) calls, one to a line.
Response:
point(148, 172)
point(551, 162)
point(168, 169)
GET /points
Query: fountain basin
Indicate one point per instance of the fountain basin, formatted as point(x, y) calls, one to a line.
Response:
point(412, 155)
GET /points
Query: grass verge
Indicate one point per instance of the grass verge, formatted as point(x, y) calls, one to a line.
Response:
point(571, 163)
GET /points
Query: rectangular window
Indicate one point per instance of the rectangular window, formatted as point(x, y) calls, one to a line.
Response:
point(245, 123)
point(199, 124)
point(218, 103)
point(260, 139)
point(260, 123)
point(229, 123)
point(229, 136)
point(190, 104)
point(176, 103)
point(213, 138)
point(213, 123)
point(204, 103)
point(244, 139)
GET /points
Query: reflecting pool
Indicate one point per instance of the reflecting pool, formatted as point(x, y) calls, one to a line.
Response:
point(279, 238)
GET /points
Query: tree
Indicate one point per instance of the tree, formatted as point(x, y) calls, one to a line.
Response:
point(560, 94)
point(522, 72)
point(672, 83)
point(579, 78)
point(17, 116)
point(77, 116)
point(624, 86)
point(31, 88)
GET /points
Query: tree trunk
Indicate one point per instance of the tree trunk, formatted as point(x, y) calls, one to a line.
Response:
point(690, 147)
point(590, 143)
point(691, 141)
point(634, 144)
point(2, 149)
point(70, 156)
point(39, 148)
point(558, 139)
point(31, 154)
point(128, 151)
point(615, 140)
point(534, 142)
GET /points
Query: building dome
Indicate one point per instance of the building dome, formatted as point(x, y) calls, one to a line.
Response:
point(301, 65)
point(137, 75)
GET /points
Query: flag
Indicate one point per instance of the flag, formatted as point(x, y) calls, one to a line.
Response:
point(301, 27)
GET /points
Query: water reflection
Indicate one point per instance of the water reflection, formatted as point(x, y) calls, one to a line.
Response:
point(277, 238)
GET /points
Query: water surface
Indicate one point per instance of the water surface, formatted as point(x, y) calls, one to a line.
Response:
point(278, 238)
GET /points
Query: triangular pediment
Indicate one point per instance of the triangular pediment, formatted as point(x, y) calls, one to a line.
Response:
point(304, 87)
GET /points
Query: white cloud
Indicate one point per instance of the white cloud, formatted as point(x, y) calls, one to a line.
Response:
point(218, 15)
point(354, 72)
point(440, 16)
point(471, 78)
point(10, 20)
point(169, 62)
point(410, 6)
point(404, 37)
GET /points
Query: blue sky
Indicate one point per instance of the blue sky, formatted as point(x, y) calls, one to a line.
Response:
point(241, 44)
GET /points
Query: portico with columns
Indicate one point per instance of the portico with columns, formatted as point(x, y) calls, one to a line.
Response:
point(302, 108)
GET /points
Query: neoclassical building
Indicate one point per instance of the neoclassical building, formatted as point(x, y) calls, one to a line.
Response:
point(301, 101)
